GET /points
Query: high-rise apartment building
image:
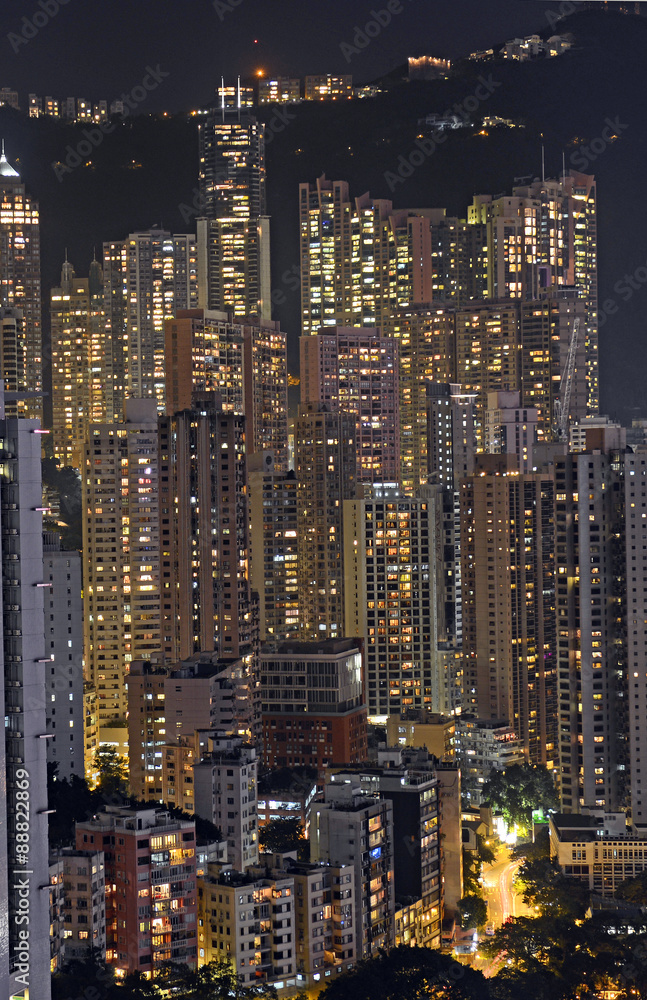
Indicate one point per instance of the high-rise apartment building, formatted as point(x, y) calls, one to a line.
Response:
point(312, 701)
point(121, 546)
point(426, 337)
point(635, 491)
point(360, 260)
point(12, 358)
point(63, 607)
point(234, 234)
point(81, 378)
point(326, 468)
point(23, 772)
point(274, 542)
point(225, 781)
point(151, 893)
point(544, 236)
point(509, 428)
point(147, 278)
point(20, 272)
point(352, 828)
point(356, 371)
point(207, 600)
point(408, 781)
point(593, 598)
point(171, 706)
point(391, 598)
point(508, 588)
point(244, 362)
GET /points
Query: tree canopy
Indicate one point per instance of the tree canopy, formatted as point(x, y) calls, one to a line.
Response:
point(472, 911)
point(407, 974)
point(519, 790)
point(281, 835)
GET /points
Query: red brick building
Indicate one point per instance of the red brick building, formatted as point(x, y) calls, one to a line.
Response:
point(313, 708)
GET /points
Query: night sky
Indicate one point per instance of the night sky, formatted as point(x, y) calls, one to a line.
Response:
point(98, 50)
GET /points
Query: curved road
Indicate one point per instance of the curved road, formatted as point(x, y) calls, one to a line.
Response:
point(502, 900)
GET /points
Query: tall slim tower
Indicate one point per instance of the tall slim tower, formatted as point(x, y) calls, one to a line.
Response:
point(147, 278)
point(79, 374)
point(121, 565)
point(508, 585)
point(326, 476)
point(207, 602)
point(23, 771)
point(233, 235)
point(20, 271)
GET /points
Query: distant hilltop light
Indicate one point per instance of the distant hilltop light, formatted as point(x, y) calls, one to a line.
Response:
point(428, 68)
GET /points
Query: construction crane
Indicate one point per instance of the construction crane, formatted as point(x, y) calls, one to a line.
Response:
point(562, 404)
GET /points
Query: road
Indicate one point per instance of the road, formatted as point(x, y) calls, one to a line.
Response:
point(501, 898)
point(503, 902)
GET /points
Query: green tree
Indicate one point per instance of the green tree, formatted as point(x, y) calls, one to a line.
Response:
point(539, 848)
point(472, 911)
point(215, 981)
point(634, 890)
point(281, 835)
point(113, 772)
point(543, 885)
point(471, 873)
point(79, 978)
point(519, 790)
point(409, 974)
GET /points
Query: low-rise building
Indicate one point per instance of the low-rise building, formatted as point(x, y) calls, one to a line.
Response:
point(424, 729)
point(287, 794)
point(597, 849)
point(483, 746)
point(248, 921)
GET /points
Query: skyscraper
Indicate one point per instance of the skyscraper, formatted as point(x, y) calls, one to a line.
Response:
point(233, 235)
point(326, 471)
point(243, 361)
point(544, 236)
point(20, 271)
point(356, 371)
point(64, 644)
point(391, 600)
point(508, 589)
point(360, 260)
point(121, 552)
point(274, 547)
point(592, 595)
point(207, 600)
point(23, 773)
point(147, 278)
point(80, 377)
